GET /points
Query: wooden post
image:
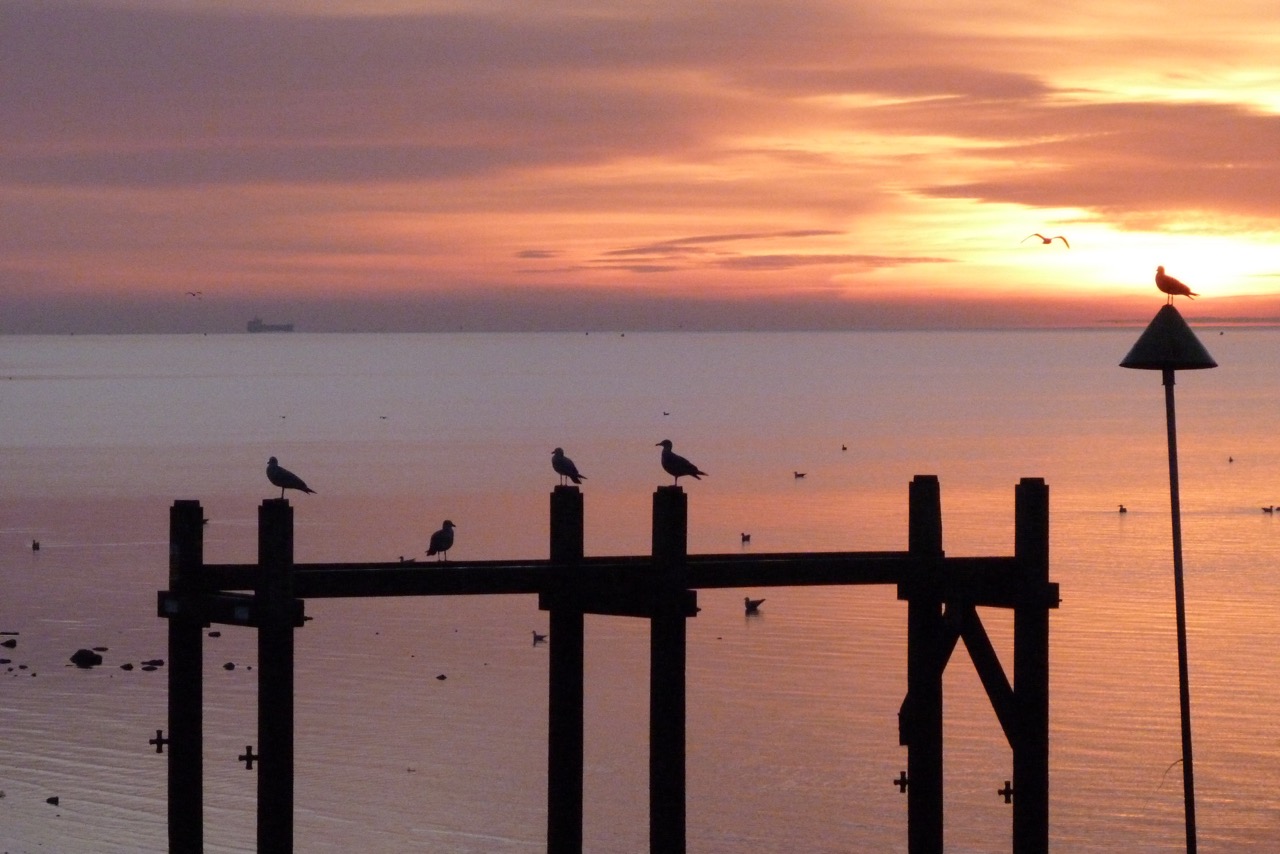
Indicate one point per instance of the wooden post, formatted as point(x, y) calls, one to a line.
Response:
point(274, 596)
point(1031, 669)
point(565, 680)
point(925, 662)
point(667, 673)
point(186, 678)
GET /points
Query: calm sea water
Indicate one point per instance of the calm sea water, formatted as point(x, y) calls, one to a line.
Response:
point(792, 714)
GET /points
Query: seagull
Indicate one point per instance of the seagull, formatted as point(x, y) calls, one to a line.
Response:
point(1124, 509)
point(1172, 286)
point(565, 467)
point(799, 474)
point(1046, 240)
point(752, 605)
point(285, 479)
point(537, 638)
point(1270, 509)
point(196, 294)
point(676, 465)
point(746, 538)
point(441, 541)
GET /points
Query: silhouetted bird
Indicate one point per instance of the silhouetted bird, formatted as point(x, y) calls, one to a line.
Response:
point(537, 638)
point(1046, 240)
point(285, 479)
point(746, 538)
point(676, 465)
point(1123, 509)
point(1270, 509)
point(441, 541)
point(1172, 287)
point(565, 467)
point(798, 474)
point(752, 605)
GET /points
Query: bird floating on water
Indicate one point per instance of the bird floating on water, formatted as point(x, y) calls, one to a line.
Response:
point(752, 605)
point(799, 474)
point(285, 479)
point(565, 467)
point(1270, 509)
point(1124, 509)
point(1046, 240)
point(537, 638)
point(1171, 286)
point(676, 465)
point(441, 541)
point(746, 538)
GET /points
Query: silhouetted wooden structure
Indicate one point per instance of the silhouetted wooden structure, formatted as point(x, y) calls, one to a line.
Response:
point(942, 595)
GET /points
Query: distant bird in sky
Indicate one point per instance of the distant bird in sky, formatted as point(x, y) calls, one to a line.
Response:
point(441, 541)
point(676, 465)
point(285, 479)
point(752, 606)
point(1172, 286)
point(196, 294)
point(1046, 240)
point(565, 467)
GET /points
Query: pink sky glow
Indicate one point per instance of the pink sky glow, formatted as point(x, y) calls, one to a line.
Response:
point(555, 164)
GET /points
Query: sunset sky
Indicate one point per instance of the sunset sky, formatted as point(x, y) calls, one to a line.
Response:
point(564, 164)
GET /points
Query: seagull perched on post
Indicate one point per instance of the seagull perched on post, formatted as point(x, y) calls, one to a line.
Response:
point(565, 467)
point(441, 541)
point(1046, 240)
point(1172, 286)
point(676, 465)
point(285, 479)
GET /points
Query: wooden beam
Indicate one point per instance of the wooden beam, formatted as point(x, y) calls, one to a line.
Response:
point(993, 677)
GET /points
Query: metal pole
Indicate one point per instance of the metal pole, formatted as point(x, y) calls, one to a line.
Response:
point(1184, 689)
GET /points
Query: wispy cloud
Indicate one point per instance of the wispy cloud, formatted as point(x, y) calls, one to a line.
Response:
point(149, 143)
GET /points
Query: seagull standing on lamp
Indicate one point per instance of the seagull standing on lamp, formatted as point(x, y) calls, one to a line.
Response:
point(1169, 345)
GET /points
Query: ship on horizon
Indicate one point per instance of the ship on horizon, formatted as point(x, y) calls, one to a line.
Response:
point(256, 325)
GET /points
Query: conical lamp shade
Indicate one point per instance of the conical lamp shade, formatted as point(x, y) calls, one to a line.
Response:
point(1168, 344)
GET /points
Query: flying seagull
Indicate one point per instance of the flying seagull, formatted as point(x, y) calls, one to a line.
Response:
point(676, 465)
point(1046, 240)
point(441, 541)
point(565, 467)
point(752, 605)
point(1172, 286)
point(285, 479)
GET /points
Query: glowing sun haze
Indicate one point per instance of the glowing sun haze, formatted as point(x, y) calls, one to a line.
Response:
point(556, 164)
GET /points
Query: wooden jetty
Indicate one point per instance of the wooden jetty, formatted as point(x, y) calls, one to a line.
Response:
point(942, 595)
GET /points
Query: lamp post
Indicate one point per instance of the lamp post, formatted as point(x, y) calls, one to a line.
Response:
point(1169, 345)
